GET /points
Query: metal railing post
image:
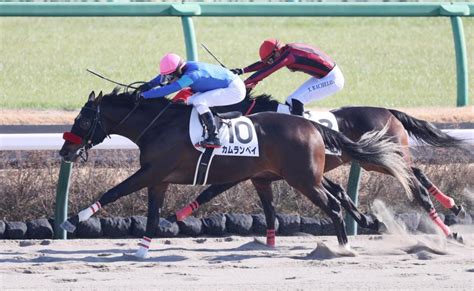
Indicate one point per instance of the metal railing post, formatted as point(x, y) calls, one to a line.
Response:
point(189, 38)
point(353, 192)
point(62, 193)
point(461, 61)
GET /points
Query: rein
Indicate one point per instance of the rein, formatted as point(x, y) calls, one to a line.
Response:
point(87, 143)
point(251, 107)
point(152, 122)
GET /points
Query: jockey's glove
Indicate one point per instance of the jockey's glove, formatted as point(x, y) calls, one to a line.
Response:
point(137, 96)
point(237, 71)
point(144, 87)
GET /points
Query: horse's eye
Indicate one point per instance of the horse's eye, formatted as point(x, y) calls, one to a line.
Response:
point(85, 123)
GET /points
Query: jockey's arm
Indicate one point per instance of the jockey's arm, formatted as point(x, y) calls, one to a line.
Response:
point(154, 82)
point(254, 67)
point(283, 61)
point(181, 83)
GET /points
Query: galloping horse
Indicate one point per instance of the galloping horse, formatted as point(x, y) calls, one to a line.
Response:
point(354, 122)
point(290, 148)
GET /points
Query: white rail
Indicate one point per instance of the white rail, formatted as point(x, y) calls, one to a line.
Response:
point(54, 141)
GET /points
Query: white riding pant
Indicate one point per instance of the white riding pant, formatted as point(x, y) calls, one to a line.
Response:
point(317, 89)
point(234, 93)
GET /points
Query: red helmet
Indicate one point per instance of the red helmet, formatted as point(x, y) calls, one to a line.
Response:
point(268, 47)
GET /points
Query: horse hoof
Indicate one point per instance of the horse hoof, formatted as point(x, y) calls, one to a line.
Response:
point(456, 237)
point(382, 228)
point(141, 254)
point(67, 226)
point(459, 211)
point(172, 218)
point(134, 256)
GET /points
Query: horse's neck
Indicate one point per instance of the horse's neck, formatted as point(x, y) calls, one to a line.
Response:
point(140, 119)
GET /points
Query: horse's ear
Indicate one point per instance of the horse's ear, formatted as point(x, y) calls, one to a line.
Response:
point(99, 98)
point(92, 96)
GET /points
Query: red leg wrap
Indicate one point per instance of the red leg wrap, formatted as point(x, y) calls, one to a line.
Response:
point(186, 211)
point(434, 216)
point(446, 201)
point(270, 237)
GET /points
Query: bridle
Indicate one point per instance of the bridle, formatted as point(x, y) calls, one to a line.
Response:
point(87, 141)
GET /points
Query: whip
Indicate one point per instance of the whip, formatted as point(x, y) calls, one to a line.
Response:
point(112, 81)
point(215, 58)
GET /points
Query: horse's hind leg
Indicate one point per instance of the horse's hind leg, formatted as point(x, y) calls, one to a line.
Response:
point(365, 221)
point(264, 191)
point(442, 198)
point(327, 202)
point(156, 196)
point(210, 193)
point(423, 198)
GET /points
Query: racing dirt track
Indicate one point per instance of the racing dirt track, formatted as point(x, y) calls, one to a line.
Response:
point(380, 262)
point(399, 261)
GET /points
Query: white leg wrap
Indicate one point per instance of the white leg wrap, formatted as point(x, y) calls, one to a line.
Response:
point(88, 212)
point(143, 247)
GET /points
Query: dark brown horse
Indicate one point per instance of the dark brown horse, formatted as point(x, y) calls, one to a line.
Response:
point(355, 122)
point(291, 148)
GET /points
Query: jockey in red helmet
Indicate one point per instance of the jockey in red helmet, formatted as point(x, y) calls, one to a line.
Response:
point(326, 77)
point(212, 86)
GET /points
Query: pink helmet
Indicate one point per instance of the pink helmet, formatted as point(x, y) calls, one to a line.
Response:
point(170, 63)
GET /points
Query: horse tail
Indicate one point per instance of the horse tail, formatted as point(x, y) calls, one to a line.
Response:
point(425, 131)
point(373, 148)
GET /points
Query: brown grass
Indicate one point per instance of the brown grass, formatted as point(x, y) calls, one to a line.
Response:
point(28, 189)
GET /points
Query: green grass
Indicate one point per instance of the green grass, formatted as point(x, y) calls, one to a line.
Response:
point(391, 62)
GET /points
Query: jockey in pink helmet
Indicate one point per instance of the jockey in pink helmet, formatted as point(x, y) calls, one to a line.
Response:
point(212, 86)
point(326, 77)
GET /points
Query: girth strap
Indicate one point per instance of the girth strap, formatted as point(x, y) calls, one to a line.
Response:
point(203, 166)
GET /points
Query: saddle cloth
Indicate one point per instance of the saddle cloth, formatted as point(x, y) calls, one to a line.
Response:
point(237, 135)
point(325, 118)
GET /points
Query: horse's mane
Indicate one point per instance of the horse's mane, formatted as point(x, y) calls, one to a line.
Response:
point(117, 97)
point(261, 98)
point(123, 98)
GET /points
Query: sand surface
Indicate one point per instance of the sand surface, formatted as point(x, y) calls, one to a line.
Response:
point(36, 117)
point(377, 262)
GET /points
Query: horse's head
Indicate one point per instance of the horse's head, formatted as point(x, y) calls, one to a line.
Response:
point(86, 132)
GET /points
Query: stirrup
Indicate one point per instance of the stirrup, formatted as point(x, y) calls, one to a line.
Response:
point(206, 143)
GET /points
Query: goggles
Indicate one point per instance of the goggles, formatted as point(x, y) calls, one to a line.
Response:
point(166, 79)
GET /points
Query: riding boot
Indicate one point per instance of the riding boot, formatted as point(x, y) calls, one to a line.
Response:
point(212, 141)
point(297, 107)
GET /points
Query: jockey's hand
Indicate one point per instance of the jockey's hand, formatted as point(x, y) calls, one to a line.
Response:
point(137, 96)
point(237, 71)
point(144, 87)
point(249, 87)
point(179, 101)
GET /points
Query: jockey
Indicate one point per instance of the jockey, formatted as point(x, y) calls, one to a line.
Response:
point(212, 86)
point(326, 79)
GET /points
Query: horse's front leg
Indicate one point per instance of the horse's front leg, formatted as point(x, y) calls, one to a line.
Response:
point(156, 196)
point(137, 181)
